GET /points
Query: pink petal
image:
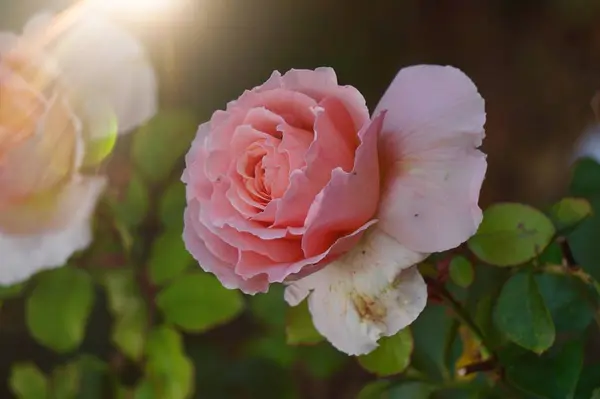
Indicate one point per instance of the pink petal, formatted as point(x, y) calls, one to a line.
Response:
point(322, 83)
point(252, 264)
point(278, 250)
point(350, 198)
point(334, 146)
point(432, 172)
point(295, 143)
point(198, 246)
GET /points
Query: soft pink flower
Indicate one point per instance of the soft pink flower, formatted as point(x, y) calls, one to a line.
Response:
point(63, 89)
point(284, 184)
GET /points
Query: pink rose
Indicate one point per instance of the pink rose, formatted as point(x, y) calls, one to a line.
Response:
point(272, 182)
point(295, 183)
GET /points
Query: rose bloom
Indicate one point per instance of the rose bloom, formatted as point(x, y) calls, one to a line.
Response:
point(296, 183)
point(61, 93)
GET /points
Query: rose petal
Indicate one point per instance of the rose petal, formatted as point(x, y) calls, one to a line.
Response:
point(322, 83)
point(349, 200)
point(279, 250)
point(321, 159)
point(25, 255)
point(253, 264)
point(102, 61)
point(370, 292)
point(432, 172)
point(44, 160)
point(198, 241)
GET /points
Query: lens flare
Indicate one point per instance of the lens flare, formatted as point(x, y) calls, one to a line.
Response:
point(132, 6)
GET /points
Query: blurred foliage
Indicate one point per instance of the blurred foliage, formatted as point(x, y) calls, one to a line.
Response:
point(512, 313)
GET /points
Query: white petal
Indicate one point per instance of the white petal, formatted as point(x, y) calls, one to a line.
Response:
point(25, 255)
point(103, 62)
point(371, 292)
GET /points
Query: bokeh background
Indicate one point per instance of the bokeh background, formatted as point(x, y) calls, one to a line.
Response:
point(536, 62)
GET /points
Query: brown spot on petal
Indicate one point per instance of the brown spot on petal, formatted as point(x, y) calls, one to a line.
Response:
point(368, 308)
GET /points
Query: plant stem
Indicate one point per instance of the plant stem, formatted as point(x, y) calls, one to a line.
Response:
point(462, 315)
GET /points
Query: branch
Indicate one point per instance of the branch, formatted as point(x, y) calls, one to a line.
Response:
point(461, 314)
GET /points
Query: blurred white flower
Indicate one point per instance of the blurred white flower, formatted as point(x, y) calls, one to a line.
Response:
point(66, 87)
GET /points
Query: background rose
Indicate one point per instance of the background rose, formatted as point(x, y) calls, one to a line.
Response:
point(283, 181)
point(61, 92)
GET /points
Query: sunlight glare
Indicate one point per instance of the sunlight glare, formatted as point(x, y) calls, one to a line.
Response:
point(132, 6)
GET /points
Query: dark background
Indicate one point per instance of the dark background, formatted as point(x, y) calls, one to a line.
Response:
point(536, 63)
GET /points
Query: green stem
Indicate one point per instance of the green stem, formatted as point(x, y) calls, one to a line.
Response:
point(463, 317)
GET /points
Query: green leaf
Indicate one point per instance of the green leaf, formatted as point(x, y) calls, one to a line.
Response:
point(144, 391)
point(412, 390)
point(121, 290)
point(65, 381)
point(461, 271)
point(168, 258)
point(569, 212)
point(585, 179)
point(299, 327)
point(132, 209)
point(270, 308)
point(168, 369)
point(272, 346)
point(522, 315)
point(374, 390)
point(583, 241)
point(430, 332)
point(92, 377)
point(511, 234)
point(552, 255)
point(596, 394)
point(129, 332)
point(171, 206)
point(129, 310)
point(392, 356)
point(58, 308)
point(564, 297)
point(552, 376)
point(159, 144)
point(588, 382)
point(28, 382)
point(321, 360)
point(197, 302)
point(482, 298)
